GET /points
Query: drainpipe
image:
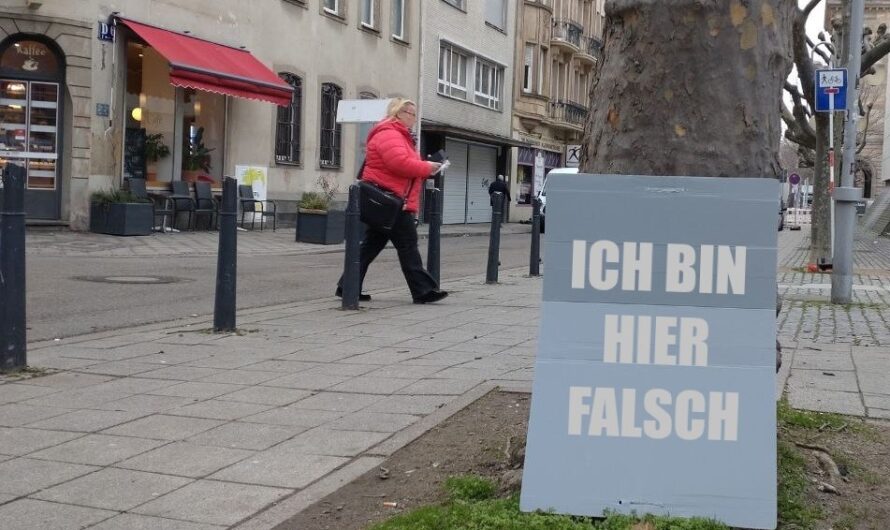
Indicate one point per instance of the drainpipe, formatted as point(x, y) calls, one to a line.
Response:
point(420, 37)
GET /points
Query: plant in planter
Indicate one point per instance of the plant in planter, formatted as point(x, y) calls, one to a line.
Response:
point(197, 157)
point(155, 150)
point(120, 213)
point(316, 221)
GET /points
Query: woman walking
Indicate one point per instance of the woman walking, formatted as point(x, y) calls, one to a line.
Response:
point(391, 163)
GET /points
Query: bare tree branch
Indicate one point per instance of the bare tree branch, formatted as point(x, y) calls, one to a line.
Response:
point(870, 58)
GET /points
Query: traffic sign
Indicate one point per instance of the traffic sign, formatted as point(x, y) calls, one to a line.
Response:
point(831, 90)
point(794, 179)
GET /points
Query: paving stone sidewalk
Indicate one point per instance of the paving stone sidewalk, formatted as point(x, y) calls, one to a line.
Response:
point(170, 426)
point(836, 357)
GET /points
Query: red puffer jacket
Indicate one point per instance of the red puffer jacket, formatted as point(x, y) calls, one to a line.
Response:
point(393, 164)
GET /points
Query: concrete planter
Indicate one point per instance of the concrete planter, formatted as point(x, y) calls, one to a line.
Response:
point(326, 227)
point(121, 219)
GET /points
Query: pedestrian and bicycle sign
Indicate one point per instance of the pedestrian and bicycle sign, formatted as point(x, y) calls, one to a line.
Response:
point(831, 90)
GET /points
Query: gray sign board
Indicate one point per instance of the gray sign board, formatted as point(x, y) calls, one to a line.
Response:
point(654, 385)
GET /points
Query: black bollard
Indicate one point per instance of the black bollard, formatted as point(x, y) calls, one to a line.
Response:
point(227, 259)
point(534, 259)
point(433, 250)
point(494, 240)
point(352, 258)
point(13, 341)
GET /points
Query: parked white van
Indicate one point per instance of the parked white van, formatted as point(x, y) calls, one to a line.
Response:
point(543, 193)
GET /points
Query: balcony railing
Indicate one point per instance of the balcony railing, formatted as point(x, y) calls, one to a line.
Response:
point(566, 111)
point(567, 31)
point(591, 46)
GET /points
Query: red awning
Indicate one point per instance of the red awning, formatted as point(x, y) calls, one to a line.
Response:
point(204, 65)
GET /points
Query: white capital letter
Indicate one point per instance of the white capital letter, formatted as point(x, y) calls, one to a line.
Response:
point(636, 269)
point(723, 417)
point(659, 427)
point(679, 270)
point(664, 339)
point(689, 401)
point(603, 252)
point(605, 413)
point(629, 428)
point(618, 339)
point(693, 348)
point(577, 408)
point(579, 264)
point(731, 271)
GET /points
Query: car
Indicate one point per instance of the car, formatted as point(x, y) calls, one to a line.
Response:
point(542, 194)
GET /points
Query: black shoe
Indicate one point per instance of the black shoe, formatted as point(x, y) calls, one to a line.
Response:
point(433, 296)
point(361, 298)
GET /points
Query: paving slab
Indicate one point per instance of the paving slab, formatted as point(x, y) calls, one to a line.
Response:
point(113, 489)
point(216, 409)
point(293, 416)
point(13, 392)
point(337, 401)
point(307, 381)
point(372, 385)
point(213, 502)
point(144, 404)
point(240, 377)
point(98, 449)
point(19, 441)
point(823, 361)
point(197, 390)
point(373, 422)
point(30, 514)
point(823, 380)
point(324, 441)
point(130, 521)
point(185, 459)
point(23, 476)
point(266, 468)
point(164, 427)
point(441, 387)
point(17, 414)
point(265, 395)
point(254, 436)
point(420, 405)
point(827, 401)
point(118, 368)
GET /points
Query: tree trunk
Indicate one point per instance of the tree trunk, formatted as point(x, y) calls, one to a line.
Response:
point(690, 87)
point(820, 229)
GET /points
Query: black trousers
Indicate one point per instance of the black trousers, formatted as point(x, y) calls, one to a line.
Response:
point(404, 238)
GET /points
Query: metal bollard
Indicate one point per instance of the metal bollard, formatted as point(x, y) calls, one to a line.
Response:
point(352, 258)
point(13, 342)
point(534, 259)
point(227, 259)
point(494, 240)
point(434, 245)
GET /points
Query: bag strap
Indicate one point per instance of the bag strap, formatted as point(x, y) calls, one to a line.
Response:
point(361, 170)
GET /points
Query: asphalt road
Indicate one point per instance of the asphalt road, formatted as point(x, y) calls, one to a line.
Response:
point(61, 304)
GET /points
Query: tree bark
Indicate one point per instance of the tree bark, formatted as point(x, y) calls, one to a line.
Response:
point(690, 87)
point(820, 227)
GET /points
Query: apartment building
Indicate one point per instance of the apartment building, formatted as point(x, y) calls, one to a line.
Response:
point(466, 98)
point(95, 91)
point(558, 44)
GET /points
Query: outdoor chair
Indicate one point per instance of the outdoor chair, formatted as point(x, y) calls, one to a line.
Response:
point(183, 201)
point(160, 206)
point(206, 205)
point(256, 207)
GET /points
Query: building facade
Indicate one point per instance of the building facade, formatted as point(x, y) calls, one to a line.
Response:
point(466, 98)
point(558, 46)
point(93, 92)
point(873, 93)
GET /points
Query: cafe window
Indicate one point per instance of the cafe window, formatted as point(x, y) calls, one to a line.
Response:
point(329, 153)
point(170, 133)
point(29, 111)
point(287, 131)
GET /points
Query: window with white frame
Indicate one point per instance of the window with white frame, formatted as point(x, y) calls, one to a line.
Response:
point(398, 19)
point(368, 16)
point(332, 6)
point(528, 68)
point(452, 71)
point(496, 13)
point(488, 84)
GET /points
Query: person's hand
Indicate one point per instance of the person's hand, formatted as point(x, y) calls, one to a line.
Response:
point(434, 167)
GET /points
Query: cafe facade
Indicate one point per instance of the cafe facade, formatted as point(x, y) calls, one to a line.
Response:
point(94, 94)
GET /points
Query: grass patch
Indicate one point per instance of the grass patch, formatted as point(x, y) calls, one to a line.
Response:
point(794, 511)
point(804, 419)
point(471, 506)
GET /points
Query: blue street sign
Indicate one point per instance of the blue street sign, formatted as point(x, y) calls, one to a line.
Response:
point(654, 387)
point(106, 32)
point(831, 82)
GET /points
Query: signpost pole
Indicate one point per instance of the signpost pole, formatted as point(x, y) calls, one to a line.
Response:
point(848, 195)
point(831, 92)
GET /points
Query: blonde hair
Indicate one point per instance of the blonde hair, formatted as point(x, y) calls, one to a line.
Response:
point(397, 105)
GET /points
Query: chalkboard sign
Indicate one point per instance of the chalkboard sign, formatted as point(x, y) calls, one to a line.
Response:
point(134, 153)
